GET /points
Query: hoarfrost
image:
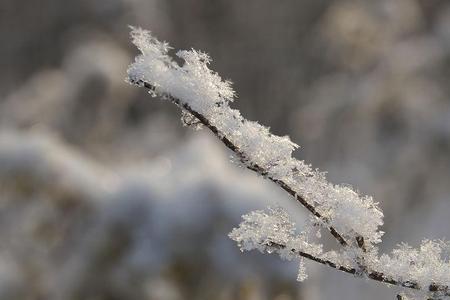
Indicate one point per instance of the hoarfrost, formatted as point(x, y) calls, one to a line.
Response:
point(427, 265)
point(194, 87)
point(302, 275)
point(202, 90)
point(273, 231)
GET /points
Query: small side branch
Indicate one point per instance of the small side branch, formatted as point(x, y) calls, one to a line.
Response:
point(372, 274)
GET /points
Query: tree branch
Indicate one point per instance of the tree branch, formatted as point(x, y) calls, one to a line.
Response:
point(372, 274)
point(254, 167)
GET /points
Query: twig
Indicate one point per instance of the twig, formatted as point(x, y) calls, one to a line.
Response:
point(241, 156)
point(372, 274)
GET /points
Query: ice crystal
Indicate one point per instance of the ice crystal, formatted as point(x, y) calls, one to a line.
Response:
point(189, 120)
point(429, 264)
point(197, 89)
point(302, 275)
point(272, 232)
point(202, 90)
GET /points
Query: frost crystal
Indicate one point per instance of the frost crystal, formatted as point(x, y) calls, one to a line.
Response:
point(262, 230)
point(302, 276)
point(189, 120)
point(427, 265)
point(206, 98)
point(206, 93)
point(274, 232)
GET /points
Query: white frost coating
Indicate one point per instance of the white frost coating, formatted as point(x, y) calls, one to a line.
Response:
point(302, 275)
point(429, 264)
point(266, 231)
point(349, 213)
point(205, 92)
point(274, 232)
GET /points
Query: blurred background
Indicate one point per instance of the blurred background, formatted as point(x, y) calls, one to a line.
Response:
point(105, 196)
